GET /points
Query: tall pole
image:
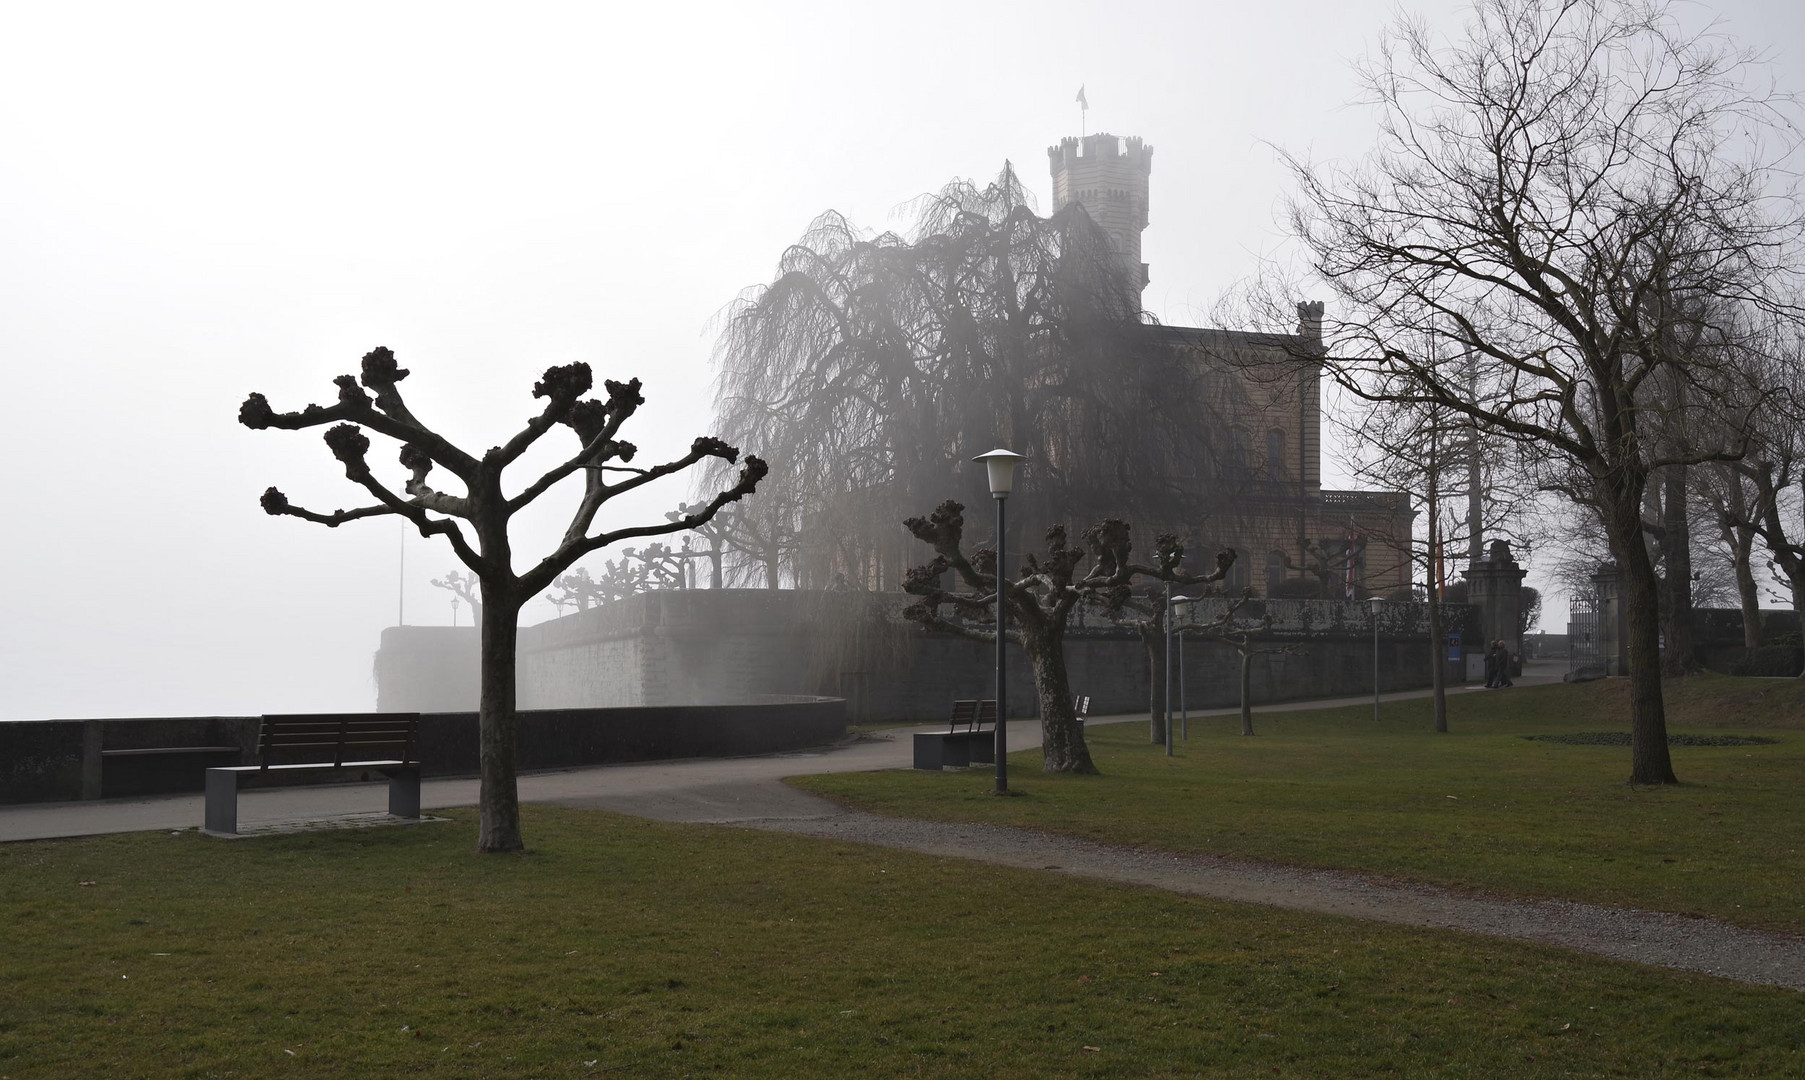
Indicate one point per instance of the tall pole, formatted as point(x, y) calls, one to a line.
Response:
point(1184, 716)
point(1375, 609)
point(1167, 704)
point(1475, 503)
point(1002, 692)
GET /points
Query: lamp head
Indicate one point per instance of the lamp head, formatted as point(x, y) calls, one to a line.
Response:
point(1001, 465)
point(1376, 602)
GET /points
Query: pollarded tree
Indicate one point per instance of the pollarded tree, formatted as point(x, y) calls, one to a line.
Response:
point(1145, 610)
point(1040, 603)
point(487, 511)
point(463, 587)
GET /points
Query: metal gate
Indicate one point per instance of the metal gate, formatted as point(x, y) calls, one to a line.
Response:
point(1585, 644)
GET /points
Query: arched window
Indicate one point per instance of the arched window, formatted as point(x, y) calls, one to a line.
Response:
point(1237, 448)
point(1275, 570)
point(1275, 454)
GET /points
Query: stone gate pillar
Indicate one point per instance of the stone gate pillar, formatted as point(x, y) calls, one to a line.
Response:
point(1495, 586)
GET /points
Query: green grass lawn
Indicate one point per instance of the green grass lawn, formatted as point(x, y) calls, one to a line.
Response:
point(1480, 807)
point(621, 947)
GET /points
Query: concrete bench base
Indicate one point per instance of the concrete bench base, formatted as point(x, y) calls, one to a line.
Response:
point(158, 770)
point(936, 750)
point(221, 815)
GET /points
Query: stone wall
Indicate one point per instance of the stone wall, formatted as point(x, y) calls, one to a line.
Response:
point(702, 646)
point(62, 760)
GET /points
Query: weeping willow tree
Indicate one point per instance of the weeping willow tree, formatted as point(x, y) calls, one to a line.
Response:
point(874, 367)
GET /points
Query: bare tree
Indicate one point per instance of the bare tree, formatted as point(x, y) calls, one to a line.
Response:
point(466, 588)
point(1227, 627)
point(1245, 638)
point(1563, 193)
point(754, 543)
point(1146, 610)
point(488, 511)
point(1040, 603)
point(872, 367)
point(1434, 452)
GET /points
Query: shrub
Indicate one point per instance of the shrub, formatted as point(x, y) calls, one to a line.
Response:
point(1781, 659)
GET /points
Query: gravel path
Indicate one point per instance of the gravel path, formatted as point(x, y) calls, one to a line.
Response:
point(1649, 937)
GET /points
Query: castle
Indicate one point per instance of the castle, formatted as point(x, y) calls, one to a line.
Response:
point(1270, 393)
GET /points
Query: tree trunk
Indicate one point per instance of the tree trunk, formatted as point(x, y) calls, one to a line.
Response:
point(1650, 762)
point(1246, 650)
point(1732, 526)
point(1679, 658)
point(1061, 738)
point(773, 579)
point(1438, 665)
point(1748, 594)
point(497, 720)
point(1153, 637)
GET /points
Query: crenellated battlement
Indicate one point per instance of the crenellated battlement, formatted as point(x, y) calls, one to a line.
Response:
point(1101, 147)
point(1107, 175)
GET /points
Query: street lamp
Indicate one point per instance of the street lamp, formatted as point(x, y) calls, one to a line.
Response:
point(1184, 716)
point(1166, 720)
point(1001, 465)
point(1377, 602)
point(1172, 603)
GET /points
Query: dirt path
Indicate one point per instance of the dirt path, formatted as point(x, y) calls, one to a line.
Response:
point(1649, 937)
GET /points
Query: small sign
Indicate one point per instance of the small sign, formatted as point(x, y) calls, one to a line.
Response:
point(1454, 647)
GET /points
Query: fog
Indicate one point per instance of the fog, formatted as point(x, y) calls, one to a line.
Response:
point(197, 201)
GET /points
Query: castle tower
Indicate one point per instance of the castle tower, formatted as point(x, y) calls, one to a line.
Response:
point(1110, 181)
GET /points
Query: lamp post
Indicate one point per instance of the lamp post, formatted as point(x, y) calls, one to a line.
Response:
point(1166, 721)
point(1184, 716)
point(1376, 603)
point(1001, 465)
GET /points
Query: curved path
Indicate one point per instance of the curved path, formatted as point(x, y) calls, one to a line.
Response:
point(748, 792)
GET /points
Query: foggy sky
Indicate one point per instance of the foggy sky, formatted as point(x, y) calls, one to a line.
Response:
point(197, 201)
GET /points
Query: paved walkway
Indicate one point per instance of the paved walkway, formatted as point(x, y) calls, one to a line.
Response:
point(696, 789)
point(748, 792)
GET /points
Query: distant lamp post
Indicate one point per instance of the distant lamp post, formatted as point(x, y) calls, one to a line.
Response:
point(1180, 603)
point(1377, 602)
point(1001, 465)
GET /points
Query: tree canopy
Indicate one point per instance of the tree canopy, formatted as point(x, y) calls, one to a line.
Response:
point(871, 368)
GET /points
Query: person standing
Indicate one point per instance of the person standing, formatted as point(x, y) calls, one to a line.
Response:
point(1502, 661)
point(1491, 667)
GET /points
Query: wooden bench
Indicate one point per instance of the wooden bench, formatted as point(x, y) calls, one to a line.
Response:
point(333, 743)
point(957, 749)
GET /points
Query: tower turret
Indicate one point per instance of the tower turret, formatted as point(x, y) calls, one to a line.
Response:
point(1108, 177)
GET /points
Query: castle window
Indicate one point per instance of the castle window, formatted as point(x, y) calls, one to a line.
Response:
point(1275, 570)
point(1275, 454)
point(1237, 448)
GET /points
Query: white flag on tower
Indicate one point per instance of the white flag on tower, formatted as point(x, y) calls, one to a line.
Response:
point(1082, 104)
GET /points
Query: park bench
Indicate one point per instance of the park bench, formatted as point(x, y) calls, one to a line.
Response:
point(955, 748)
point(330, 743)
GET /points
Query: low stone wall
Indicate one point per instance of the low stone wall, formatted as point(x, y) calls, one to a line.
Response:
point(62, 760)
point(689, 647)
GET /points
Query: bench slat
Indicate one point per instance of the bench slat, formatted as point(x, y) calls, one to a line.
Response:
point(330, 738)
